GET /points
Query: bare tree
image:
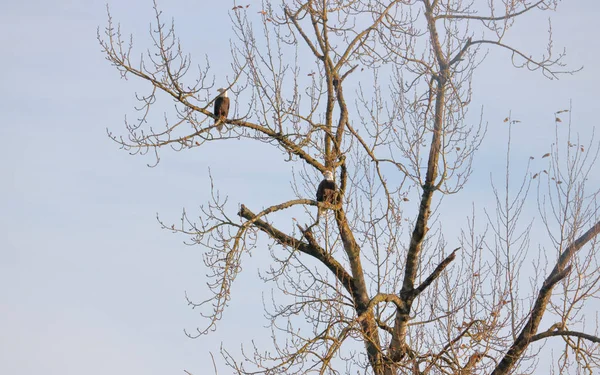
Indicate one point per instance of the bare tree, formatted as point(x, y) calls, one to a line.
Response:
point(377, 92)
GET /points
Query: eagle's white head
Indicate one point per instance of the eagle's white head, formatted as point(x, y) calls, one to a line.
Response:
point(328, 175)
point(223, 92)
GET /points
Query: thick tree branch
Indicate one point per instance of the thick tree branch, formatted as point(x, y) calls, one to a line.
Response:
point(407, 292)
point(560, 270)
point(385, 297)
point(461, 53)
point(315, 251)
point(547, 334)
point(437, 272)
point(361, 301)
point(300, 30)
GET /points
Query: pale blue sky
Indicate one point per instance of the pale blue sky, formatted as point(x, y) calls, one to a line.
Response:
point(88, 282)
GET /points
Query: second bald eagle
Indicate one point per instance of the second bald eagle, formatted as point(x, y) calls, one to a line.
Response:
point(221, 108)
point(326, 192)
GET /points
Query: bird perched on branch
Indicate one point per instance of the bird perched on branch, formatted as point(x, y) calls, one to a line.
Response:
point(221, 108)
point(327, 191)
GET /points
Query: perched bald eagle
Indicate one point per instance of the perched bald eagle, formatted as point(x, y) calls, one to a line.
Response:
point(221, 108)
point(326, 192)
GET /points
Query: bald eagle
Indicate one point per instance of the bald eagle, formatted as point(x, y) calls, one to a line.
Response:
point(221, 108)
point(326, 192)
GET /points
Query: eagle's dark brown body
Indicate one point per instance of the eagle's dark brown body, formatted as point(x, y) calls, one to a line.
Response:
point(221, 108)
point(326, 191)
